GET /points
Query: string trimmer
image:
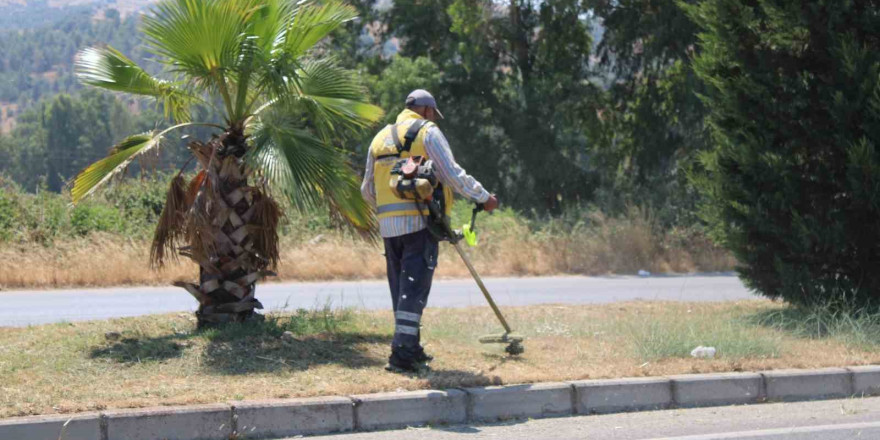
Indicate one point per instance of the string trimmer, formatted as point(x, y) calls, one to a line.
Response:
point(513, 341)
point(469, 233)
point(416, 181)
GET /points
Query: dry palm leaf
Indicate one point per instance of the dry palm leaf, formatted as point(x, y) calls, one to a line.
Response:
point(194, 186)
point(169, 231)
point(264, 227)
point(200, 232)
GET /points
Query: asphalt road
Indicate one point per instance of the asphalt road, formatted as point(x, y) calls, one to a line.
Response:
point(21, 308)
point(825, 420)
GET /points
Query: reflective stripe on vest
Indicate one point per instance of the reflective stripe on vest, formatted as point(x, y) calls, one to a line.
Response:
point(399, 207)
point(384, 152)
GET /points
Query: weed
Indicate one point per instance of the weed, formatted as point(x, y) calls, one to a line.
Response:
point(854, 327)
point(654, 337)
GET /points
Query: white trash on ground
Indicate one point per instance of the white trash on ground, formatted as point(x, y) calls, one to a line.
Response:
point(703, 352)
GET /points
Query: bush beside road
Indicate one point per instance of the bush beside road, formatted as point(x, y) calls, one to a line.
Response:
point(105, 242)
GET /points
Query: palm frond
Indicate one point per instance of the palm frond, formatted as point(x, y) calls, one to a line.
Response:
point(109, 69)
point(171, 225)
point(270, 21)
point(251, 56)
point(305, 169)
point(331, 97)
point(311, 23)
point(200, 38)
point(121, 155)
point(338, 92)
point(324, 77)
point(267, 215)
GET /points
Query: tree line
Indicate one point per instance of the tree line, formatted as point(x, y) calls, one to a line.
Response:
point(37, 63)
point(756, 118)
point(539, 104)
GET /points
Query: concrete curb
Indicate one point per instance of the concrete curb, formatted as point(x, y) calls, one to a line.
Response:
point(411, 408)
point(538, 400)
point(292, 417)
point(323, 415)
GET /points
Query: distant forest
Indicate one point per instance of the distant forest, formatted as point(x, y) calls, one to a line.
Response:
point(554, 104)
point(36, 13)
point(37, 62)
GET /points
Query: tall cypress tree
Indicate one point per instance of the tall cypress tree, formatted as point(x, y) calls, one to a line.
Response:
point(793, 180)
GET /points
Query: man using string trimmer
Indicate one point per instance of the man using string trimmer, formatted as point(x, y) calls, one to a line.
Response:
point(403, 206)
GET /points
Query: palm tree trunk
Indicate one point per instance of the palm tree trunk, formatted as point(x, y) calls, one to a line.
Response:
point(231, 231)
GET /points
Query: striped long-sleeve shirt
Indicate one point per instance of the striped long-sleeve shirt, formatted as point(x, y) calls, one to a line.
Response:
point(448, 172)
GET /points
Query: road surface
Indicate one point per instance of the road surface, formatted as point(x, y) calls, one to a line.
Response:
point(826, 420)
point(21, 308)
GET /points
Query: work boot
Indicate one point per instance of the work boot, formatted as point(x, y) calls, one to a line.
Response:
point(405, 359)
point(423, 357)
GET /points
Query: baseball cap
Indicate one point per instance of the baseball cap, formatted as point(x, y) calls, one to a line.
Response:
point(421, 97)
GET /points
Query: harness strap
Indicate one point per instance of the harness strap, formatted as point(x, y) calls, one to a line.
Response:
point(396, 138)
point(411, 134)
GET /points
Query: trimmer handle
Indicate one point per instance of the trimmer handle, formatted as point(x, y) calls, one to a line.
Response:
point(477, 208)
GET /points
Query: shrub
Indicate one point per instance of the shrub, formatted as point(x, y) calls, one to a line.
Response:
point(139, 202)
point(8, 216)
point(89, 217)
point(792, 183)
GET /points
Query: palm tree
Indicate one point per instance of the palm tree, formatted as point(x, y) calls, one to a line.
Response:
point(258, 63)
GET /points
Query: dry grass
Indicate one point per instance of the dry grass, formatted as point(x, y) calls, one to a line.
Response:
point(161, 360)
point(507, 248)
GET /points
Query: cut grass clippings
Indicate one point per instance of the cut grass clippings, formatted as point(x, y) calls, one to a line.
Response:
point(162, 360)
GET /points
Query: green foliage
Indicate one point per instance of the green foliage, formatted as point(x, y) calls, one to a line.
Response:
point(59, 137)
point(8, 217)
point(121, 155)
point(256, 59)
point(651, 118)
point(514, 87)
point(36, 63)
point(402, 76)
point(110, 69)
point(88, 217)
point(34, 217)
point(791, 185)
point(653, 338)
point(323, 320)
point(141, 201)
point(131, 209)
point(553, 104)
point(857, 328)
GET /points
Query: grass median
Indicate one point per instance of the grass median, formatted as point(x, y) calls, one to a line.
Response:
point(163, 360)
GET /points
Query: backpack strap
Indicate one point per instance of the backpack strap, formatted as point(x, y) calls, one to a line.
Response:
point(411, 134)
point(396, 138)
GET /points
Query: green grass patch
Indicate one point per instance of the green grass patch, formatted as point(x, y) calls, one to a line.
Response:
point(855, 328)
point(735, 339)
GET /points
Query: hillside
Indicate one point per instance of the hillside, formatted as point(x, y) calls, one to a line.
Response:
point(38, 50)
point(28, 14)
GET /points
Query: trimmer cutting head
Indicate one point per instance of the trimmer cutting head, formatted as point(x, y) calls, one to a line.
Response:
point(513, 341)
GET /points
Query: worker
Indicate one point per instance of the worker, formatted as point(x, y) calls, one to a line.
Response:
point(410, 248)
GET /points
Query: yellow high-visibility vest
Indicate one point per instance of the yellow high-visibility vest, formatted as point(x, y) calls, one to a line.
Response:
point(385, 153)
